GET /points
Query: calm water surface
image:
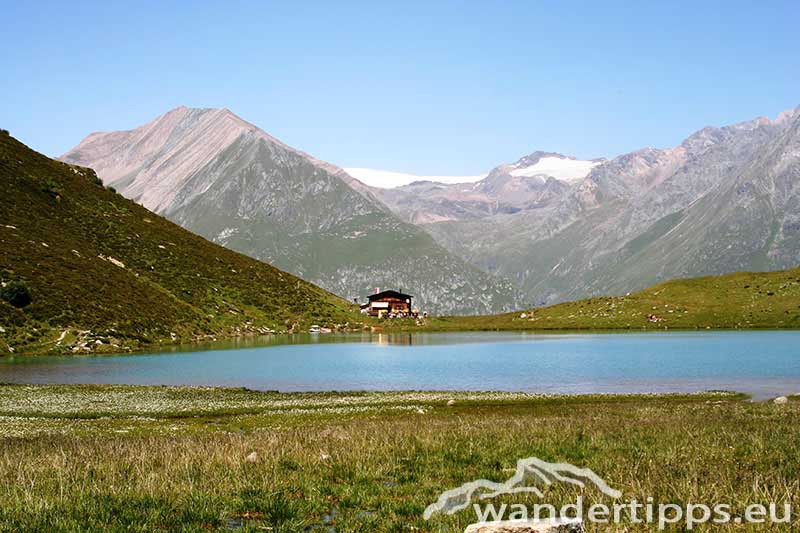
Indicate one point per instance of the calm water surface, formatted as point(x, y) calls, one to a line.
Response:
point(762, 363)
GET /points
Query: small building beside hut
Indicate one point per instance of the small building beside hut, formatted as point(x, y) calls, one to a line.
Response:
point(388, 303)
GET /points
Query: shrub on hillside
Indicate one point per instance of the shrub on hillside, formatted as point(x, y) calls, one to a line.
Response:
point(51, 187)
point(16, 293)
point(4, 132)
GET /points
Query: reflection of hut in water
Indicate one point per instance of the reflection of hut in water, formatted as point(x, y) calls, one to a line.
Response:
point(388, 303)
point(402, 339)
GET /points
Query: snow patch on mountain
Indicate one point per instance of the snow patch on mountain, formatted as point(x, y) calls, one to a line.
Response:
point(387, 179)
point(560, 168)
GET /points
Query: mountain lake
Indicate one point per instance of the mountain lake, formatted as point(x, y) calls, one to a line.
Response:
point(761, 363)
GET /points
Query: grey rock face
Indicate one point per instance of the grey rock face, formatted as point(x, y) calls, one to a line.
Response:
point(223, 178)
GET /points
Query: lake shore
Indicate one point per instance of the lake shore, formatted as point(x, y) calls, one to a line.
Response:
point(92, 457)
point(740, 301)
point(477, 324)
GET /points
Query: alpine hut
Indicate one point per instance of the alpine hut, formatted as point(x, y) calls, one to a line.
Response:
point(388, 303)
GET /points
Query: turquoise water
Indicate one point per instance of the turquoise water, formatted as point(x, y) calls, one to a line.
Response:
point(762, 363)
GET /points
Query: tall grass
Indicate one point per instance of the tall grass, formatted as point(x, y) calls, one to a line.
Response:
point(377, 470)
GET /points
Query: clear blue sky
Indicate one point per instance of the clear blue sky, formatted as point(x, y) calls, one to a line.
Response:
point(426, 87)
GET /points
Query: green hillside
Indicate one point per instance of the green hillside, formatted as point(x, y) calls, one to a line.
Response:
point(102, 273)
point(742, 300)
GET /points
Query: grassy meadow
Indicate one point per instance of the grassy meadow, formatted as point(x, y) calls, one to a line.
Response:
point(114, 458)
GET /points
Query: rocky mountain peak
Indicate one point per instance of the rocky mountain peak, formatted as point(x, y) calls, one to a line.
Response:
point(154, 162)
point(535, 157)
point(788, 116)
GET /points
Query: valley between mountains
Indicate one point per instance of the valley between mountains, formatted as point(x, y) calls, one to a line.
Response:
point(544, 229)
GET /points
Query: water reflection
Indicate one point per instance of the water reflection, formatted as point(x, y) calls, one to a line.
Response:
point(380, 338)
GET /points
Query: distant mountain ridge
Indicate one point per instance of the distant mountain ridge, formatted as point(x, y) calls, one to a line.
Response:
point(385, 179)
point(225, 179)
point(724, 200)
point(532, 181)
